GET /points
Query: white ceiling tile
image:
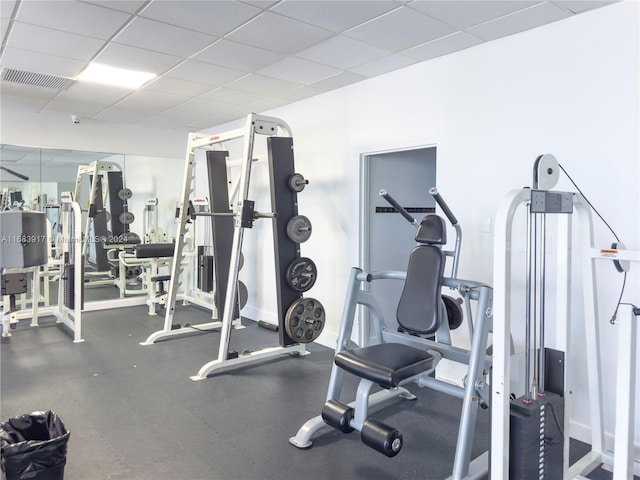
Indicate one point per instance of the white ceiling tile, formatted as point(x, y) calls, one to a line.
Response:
point(578, 6)
point(71, 106)
point(6, 8)
point(342, 52)
point(465, 13)
point(442, 46)
point(149, 102)
point(215, 18)
point(192, 111)
point(400, 29)
point(338, 81)
point(163, 38)
point(232, 96)
point(25, 97)
point(40, 62)
point(94, 93)
point(519, 21)
point(298, 70)
point(238, 56)
point(383, 65)
point(267, 103)
point(178, 85)
point(53, 42)
point(206, 73)
point(333, 15)
point(255, 83)
point(300, 93)
point(279, 34)
point(13, 153)
point(134, 58)
point(130, 6)
point(65, 15)
point(264, 4)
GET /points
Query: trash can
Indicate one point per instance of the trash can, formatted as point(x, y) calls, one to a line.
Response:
point(34, 446)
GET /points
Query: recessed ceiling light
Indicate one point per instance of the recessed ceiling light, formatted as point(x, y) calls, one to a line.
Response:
point(117, 77)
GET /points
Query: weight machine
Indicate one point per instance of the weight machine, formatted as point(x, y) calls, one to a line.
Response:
point(107, 188)
point(231, 213)
point(392, 360)
point(539, 460)
point(33, 251)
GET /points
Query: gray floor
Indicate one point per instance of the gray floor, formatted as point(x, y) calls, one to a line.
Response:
point(134, 413)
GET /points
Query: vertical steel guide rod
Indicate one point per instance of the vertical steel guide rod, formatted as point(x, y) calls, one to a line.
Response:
point(527, 328)
point(543, 268)
point(534, 283)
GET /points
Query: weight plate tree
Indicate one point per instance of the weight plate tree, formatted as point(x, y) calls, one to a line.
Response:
point(294, 274)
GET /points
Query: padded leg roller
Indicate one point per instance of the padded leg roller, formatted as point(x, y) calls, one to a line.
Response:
point(338, 415)
point(381, 437)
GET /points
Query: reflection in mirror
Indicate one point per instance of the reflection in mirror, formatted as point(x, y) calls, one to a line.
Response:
point(35, 179)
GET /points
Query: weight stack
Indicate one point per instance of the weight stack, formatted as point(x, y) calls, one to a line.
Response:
point(536, 438)
point(205, 271)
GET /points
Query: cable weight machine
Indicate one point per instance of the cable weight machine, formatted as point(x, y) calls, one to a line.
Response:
point(528, 433)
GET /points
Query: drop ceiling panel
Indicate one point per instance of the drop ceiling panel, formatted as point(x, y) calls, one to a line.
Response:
point(148, 103)
point(442, 46)
point(81, 18)
point(238, 56)
point(163, 38)
point(298, 70)
point(232, 96)
point(214, 18)
point(400, 29)
point(465, 13)
point(41, 62)
point(178, 85)
point(134, 58)
point(206, 73)
point(6, 8)
point(517, 22)
point(279, 34)
point(578, 6)
point(72, 106)
point(300, 93)
point(263, 85)
point(95, 93)
point(53, 42)
point(36, 97)
point(342, 52)
point(383, 65)
point(336, 16)
point(338, 81)
point(130, 6)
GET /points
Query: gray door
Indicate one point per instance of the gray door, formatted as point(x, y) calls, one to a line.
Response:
point(387, 238)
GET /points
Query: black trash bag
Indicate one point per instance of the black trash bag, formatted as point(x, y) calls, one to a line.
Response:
point(34, 446)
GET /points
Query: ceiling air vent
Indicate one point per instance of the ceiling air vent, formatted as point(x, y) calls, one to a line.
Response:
point(35, 79)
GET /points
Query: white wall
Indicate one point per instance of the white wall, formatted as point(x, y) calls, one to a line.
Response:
point(569, 88)
point(51, 129)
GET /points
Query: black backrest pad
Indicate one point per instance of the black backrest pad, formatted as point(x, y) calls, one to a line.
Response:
point(420, 300)
point(432, 230)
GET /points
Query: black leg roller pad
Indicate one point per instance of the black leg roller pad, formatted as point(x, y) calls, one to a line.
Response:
point(338, 415)
point(381, 437)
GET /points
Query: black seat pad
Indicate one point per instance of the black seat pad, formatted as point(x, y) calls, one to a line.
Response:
point(386, 364)
point(155, 250)
point(160, 278)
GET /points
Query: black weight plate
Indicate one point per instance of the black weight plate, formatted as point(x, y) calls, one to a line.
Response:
point(126, 218)
point(305, 320)
point(299, 229)
point(301, 274)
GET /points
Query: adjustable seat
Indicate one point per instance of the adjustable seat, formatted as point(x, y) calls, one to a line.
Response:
point(420, 312)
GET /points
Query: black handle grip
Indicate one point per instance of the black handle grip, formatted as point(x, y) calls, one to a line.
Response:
point(443, 205)
point(383, 193)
